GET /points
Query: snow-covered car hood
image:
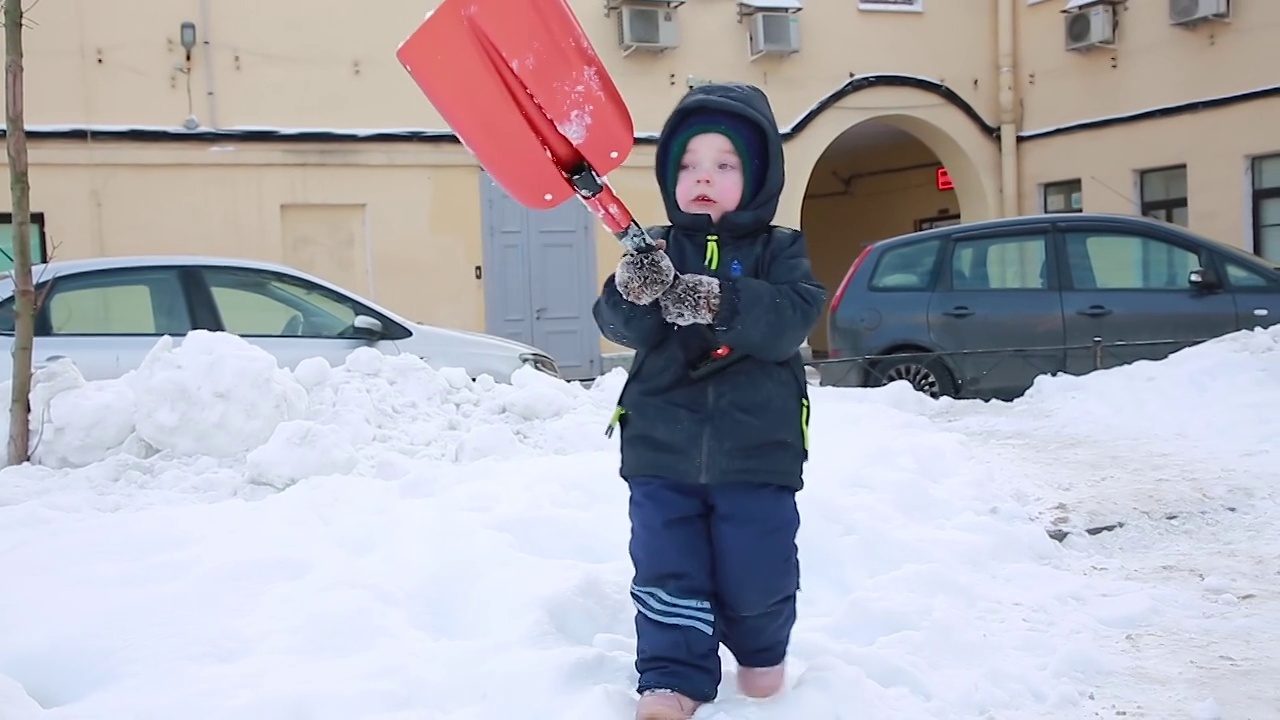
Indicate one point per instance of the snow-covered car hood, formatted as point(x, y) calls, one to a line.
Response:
point(478, 352)
point(494, 340)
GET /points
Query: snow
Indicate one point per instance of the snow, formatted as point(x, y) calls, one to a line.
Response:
point(213, 537)
point(1151, 111)
point(578, 93)
point(267, 132)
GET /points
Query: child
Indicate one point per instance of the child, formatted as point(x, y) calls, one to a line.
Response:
point(714, 463)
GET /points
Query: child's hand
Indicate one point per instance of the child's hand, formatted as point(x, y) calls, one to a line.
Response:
point(691, 299)
point(642, 277)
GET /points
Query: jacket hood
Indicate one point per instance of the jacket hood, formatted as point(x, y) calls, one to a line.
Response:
point(749, 102)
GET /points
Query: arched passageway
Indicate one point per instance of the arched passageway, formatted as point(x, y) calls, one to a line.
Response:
point(883, 177)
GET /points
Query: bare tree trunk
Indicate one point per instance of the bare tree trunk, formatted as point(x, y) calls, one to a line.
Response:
point(20, 189)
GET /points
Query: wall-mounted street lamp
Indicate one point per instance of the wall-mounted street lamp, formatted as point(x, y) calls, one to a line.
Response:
point(187, 37)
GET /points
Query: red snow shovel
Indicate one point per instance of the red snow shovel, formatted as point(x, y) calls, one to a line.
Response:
point(522, 86)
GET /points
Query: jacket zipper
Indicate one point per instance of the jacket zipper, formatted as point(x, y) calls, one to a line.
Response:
point(712, 263)
point(706, 434)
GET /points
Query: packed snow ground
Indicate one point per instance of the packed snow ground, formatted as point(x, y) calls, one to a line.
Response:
point(213, 537)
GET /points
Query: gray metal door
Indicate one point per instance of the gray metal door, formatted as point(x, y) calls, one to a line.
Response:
point(540, 278)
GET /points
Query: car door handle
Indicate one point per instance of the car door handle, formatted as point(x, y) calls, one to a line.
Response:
point(959, 311)
point(1094, 311)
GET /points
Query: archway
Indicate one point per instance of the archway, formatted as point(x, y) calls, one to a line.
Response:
point(886, 176)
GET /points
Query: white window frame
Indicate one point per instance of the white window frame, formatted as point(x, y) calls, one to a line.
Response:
point(1044, 195)
point(1146, 206)
point(1253, 196)
point(911, 6)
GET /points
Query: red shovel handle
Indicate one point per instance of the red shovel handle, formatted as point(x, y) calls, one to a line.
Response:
point(594, 192)
point(596, 195)
point(602, 201)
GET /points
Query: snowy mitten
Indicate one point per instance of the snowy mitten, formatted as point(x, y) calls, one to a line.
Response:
point(691, 299)
point(642, 277)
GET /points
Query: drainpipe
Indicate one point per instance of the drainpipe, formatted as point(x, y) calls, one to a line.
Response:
point(211, 92)
point(1008, 97)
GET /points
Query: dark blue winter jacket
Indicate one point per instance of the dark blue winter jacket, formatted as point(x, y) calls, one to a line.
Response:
point(749, 422)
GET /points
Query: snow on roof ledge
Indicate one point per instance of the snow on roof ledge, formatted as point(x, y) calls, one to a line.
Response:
point(235, 132)
point(391, 134)
point(772, 4)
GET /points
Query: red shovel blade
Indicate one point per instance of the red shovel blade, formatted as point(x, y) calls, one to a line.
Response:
point(522, 86)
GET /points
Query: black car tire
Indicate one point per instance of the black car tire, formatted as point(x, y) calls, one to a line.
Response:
point(926, 374)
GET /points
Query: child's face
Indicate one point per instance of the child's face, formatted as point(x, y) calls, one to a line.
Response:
point(710, 177)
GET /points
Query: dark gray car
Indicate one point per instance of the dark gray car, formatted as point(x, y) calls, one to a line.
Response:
point(980, 310)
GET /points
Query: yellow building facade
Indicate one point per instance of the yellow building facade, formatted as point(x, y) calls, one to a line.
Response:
point(287, 131)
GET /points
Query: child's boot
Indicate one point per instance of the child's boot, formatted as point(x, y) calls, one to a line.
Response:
point(761, 682)
point(665, 705)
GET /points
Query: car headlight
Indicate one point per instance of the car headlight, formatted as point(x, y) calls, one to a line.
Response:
point(541, 363)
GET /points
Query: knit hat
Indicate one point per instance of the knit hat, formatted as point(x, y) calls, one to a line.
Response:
point(748, 141)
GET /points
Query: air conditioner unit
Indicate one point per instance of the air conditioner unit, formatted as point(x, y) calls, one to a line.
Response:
point(1194, 12)
point(1092, 27)
point(641, 27)
point(774, 32)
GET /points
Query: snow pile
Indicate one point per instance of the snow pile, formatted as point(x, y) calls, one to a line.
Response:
point(1193, 433)
point(419, 545)
point(217, 396)
point(1237, 374)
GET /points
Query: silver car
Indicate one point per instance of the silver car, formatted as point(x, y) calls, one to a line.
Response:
point(106, 314)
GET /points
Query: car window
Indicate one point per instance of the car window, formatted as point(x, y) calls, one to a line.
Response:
point(136, 301)
point(1111, 260)
point(7, 309)
point(1007, 262)
point(260, 303)
point(1242, 277)
point(906, 268)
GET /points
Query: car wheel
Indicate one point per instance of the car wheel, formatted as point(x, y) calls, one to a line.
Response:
point(926, 374)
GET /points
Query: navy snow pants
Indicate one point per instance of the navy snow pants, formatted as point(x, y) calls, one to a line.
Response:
point(713, 564)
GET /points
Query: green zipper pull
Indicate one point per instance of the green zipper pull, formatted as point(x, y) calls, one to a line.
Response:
point(712, 260)
point(618, 412)
point(804, 421)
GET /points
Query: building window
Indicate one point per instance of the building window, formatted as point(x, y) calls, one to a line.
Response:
point(1062, 197)
point(39, 250)
point(892, 5)
point(1266, 207)
point(938, 221)
point(1164, 194)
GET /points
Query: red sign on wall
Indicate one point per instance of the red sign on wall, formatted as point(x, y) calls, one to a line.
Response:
point(944, 180)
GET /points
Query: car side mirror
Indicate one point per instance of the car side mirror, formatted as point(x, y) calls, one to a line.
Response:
point(367, 327)
point(1201, 279)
